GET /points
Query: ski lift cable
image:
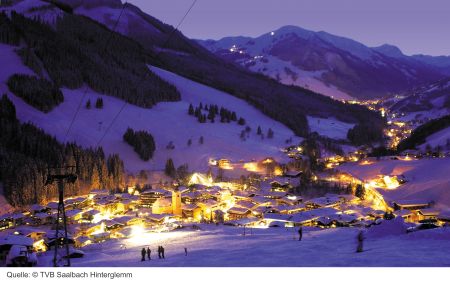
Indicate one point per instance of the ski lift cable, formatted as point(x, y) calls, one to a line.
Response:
point(86, 88)
point(143, 79)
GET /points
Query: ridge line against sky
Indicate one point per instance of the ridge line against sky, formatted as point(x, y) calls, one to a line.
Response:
point(414, 26)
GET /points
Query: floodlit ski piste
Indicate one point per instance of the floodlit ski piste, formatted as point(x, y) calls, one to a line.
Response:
point(206, 174)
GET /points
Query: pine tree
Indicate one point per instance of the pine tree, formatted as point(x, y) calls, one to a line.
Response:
point(169, 169)
point(189, 143)
point(88, 104)
point(191, 110)
point(270, 133)
point(99, 103)
point(259, 131)
point(241, 121)
point(360, 192)
point(233, 116)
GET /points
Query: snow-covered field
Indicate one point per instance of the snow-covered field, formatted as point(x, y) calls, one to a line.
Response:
point(227, 246)
point(166, 122)
point(427, 179)
point(329, 127)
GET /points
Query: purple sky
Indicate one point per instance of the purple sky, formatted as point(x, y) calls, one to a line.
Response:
point(415, 26)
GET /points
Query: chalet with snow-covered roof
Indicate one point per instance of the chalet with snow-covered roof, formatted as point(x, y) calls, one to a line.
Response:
point(307, 218)
point(274, 194)
point(113, 225)
point(236, 213)
point(148, 197)
point(411, 204)
point(191, 197)
point(74, 215)
point(323, 202)
point(291, 209)
point(158, 218)
point(247, 222)
point(246, 204)
point(130, 220)
point(428, 214)
point(162, 205)
point(406, 214)
point(78, 202)
point(191, 211)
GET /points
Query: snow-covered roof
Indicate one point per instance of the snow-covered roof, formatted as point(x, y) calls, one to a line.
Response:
point(16, 240)
point(189, 206)
point(238, 210)
point(156, 190)
point(429, 212)
point(73, 212)
point(313, 214)
point(244, 204)
point(277, 217)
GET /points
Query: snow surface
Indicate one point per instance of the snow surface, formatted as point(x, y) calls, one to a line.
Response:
point(166, 122)
point(427, 179)
point(439, 138)
point(329, 127)
point(215, 246)
point(48, 13)
point(275, 68)
point(108, 15)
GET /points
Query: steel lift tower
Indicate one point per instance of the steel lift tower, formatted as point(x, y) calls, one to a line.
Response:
point(61, 233)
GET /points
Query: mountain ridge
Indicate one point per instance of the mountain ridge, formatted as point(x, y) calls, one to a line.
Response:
point(352, 67)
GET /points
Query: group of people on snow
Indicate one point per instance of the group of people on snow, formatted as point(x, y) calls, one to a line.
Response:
point(148, 252)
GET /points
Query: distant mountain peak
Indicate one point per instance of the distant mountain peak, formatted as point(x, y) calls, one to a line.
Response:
point(389, 50)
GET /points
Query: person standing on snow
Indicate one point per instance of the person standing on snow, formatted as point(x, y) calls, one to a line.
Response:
point(143, 254)
point(185, 251)
point(300, 233)
point(162, 251)
point(360, 239)
point(149, 252)
point(159, 252)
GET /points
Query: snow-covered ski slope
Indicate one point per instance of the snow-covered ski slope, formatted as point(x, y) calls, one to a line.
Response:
point(217, 246)
point(166, 122)
point(427, 179)
point(440, 138)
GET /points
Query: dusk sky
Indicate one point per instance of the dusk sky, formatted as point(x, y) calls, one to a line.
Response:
point(415, 26)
